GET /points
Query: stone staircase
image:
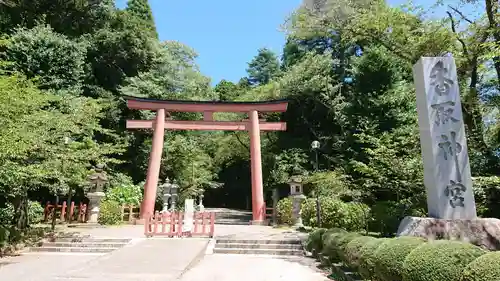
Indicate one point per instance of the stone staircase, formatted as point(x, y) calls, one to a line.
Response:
point(85, 244)
point(275, 247)
point(232, 217)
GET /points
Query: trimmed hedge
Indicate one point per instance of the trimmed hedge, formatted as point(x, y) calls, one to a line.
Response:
point(314, 241)
point(390, 256)
point(341, 242)
point(484, 268)
point(351, 216)
point(439, 260)
point(367, 261)
point(329, 243)
point(353, 250)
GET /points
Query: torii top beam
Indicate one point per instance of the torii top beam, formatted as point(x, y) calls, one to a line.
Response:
point(206, 106)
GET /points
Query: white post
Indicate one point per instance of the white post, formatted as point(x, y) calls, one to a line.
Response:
point(188, 215)
point(447, 175)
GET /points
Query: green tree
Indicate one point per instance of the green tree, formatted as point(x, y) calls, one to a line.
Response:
point(263, 67)
point(142, 10)
point(57, 61)
point(33, 154)
point(228, 91)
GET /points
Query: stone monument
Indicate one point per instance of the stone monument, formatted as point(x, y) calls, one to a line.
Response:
point(97, 181)
point(447, 175)
point(188, 215)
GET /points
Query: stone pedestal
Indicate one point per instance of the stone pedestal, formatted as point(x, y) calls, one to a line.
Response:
point(297, 210)
point(483, 232)
point(95, 203)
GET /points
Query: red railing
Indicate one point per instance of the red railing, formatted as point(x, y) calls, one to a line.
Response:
point(269, 215)
point(170, 224)
point(79, 215)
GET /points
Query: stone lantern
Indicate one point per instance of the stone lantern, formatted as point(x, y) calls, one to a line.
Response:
point(97, 181)
point(297, 196)
point(174, 189)
point(166, 194)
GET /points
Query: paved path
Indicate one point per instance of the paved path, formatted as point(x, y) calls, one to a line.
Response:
point(250, 268)
point(163, 260)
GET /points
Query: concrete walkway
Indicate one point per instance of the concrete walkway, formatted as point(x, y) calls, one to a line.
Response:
point(163, 260)
point(250, 268)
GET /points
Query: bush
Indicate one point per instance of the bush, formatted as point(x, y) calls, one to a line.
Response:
point(284, 211)
point(388, 214)
point(314, 240)
point(484, 268)
point(367, 258)
point(335, 214)
point(110, 213)
point(335, 245)
point(439, 260)
point(341, 244)
point(35, 212)
point(390, 256)
point(125, 194)
point(487, 195)
point(328, 238)
point(353, 250)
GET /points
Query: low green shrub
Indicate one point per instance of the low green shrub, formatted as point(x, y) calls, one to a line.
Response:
point(284, 211)
point(439, 260)
point(334, 246)
point(341, 244)
point(353, 250)
point(484, 268)
point(328, 239)
point(335, 213)
point(35, 212)
point(390, 256)
point(110, 213)
point(129, 194)
point(314, 241)
point(366, 259)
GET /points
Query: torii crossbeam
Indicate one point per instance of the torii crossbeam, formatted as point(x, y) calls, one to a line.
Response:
point(160, 123)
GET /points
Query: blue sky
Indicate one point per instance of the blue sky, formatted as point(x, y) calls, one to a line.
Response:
point(225, 33)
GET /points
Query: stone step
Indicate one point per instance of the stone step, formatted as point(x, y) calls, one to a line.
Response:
point(225, 222)
point(259, 241)
point(72, 249)
point(90, 240)
point(258, 246)
point(84, 244)
point(279, 252)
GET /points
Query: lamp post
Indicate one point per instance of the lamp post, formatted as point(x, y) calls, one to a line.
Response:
point(315, 146)
point(174, 188)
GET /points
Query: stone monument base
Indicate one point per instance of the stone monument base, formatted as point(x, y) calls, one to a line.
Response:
point(483, 232)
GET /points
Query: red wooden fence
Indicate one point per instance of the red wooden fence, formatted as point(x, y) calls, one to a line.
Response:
point(81, 212)
point(169, 224)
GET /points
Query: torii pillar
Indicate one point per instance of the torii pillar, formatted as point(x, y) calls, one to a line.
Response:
point(258, 206)
point(159, 124)
point(154, 165)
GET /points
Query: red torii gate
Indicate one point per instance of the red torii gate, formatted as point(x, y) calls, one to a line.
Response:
point(158, 125)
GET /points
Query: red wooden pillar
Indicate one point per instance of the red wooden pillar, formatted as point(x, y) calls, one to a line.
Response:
point(148, 203)
point(258, 209)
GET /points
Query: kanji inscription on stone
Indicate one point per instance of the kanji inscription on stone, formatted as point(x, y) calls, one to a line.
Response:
point(447, 176)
